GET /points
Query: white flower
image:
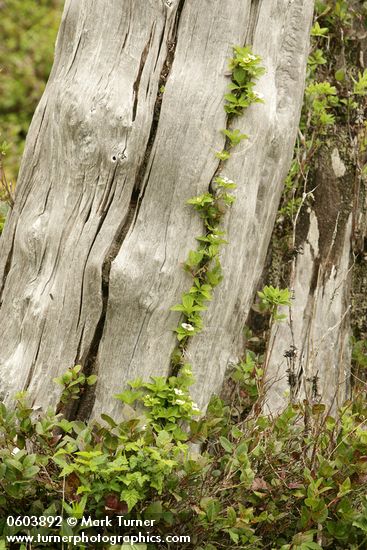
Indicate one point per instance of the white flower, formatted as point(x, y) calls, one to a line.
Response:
point(187, 326)
point(259, 95)
point(248, 58)
point(143, 427)
point(178, 392)
point(195, 407)
point(15, 451)
point(180, 402)
point(227, 180)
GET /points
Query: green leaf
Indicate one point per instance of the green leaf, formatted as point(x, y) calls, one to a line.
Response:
point(340, 75)
point(131, 497)
point(30, 472)
point(110, 421)
point(178, 307)
point(195, 257)
point(92, 379)
point(201, 201)
point(187, 301)
point(163, 438)
point(234, 136)
point(345, 487)
point(211, 507)
point(233, 535)
point(231, 515)
point(231, 98)
point(312, 503)
point(154, 509)
point(317, 58)
point(16, 464)
point(129, 396)
point(239, 75)
point(361, 523)
point(360, 86)
point(226, 444)
point(305, 537)
point(222, 155)
point(319, 31)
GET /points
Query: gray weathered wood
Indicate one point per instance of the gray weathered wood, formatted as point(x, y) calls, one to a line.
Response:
point(318, 321)
point(91, 256)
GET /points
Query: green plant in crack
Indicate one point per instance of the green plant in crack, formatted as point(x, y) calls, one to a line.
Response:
point(73, 383)
point(272, 298)
point(235, 137)
point(166, 402)
point(321, 98)
point(246, 69)
point(336, 85)
point(204, 264)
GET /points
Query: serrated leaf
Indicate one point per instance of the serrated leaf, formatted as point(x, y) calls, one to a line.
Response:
point(129, 396)
point(131, 497)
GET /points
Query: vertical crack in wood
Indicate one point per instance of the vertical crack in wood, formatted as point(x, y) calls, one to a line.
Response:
point(139, 186)
point(31, 370)
point(136, 84)
point(7, 268)
point(81, 409)
point(253, 19)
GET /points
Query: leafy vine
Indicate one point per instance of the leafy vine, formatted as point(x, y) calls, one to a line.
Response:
point(204, 263)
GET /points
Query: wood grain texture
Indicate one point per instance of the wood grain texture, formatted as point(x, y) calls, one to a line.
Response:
point(318, 323)
point(91, 256)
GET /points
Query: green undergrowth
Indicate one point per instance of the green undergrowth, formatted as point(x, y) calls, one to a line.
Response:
point(232, 477)
point(28, 33)
point(333, 118)
point(334, 102)
point(292, 481)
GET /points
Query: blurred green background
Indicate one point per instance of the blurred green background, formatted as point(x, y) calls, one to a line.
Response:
point(28, 30)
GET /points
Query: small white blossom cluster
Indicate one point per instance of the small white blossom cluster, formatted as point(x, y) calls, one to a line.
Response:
point(227, 180)
point(179, 402)
point(248, 58)
point(185, 400)
point(149, 400)
point(259, 95)
point(193, 406)
point(180, 393)
point(188, 327)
